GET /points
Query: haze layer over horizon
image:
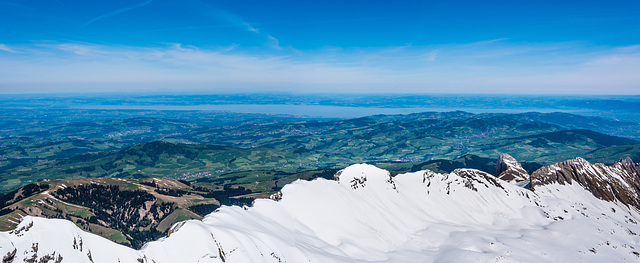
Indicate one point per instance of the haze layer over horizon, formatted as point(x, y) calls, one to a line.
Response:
point(357, 47)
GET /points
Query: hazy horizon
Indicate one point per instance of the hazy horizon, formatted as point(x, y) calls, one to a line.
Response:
point(459, 47)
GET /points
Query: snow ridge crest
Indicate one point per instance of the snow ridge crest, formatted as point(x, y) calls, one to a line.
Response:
point(364, 175)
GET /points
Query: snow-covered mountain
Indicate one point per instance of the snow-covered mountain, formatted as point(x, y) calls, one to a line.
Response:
point(365, 215)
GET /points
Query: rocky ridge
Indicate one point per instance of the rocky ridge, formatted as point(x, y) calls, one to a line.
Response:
point(619, 182)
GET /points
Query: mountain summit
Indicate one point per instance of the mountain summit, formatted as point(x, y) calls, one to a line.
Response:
point(510, 170)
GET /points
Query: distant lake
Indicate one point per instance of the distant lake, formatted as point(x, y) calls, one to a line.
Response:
point(314, 110)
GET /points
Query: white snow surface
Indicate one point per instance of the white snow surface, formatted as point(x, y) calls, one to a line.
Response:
point(414, 217)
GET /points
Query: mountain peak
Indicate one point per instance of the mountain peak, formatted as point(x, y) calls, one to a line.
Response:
point(510, 170)
point(364, 175)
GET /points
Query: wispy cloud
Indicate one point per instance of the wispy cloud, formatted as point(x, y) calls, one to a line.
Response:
point(274, 42)
point(488, 41)
point(77, 49)
point(488, 68)
point(251, 28)
point(4, 47)
point(431, 55)
point(233, 19)
point(118, 11)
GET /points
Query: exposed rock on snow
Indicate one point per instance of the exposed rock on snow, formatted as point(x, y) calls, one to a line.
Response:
point(356, 176)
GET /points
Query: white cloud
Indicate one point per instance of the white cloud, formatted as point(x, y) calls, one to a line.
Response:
point(487, 68)
point(4, 47)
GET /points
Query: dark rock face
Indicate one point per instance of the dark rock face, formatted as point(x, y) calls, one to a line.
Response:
point(619, 182)
point(510, 170)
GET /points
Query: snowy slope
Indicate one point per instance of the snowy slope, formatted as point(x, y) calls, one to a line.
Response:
point(365, 215)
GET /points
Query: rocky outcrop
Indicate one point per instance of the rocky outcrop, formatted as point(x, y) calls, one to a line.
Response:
point(619, 182)
point(628, 165)
point(510, 170)
point(471, 178)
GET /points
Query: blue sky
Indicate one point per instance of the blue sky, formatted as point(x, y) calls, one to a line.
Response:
point(532, 47)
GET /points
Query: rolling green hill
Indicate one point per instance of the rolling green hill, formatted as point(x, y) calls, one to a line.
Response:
point(264, 153)
point(261, 169)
